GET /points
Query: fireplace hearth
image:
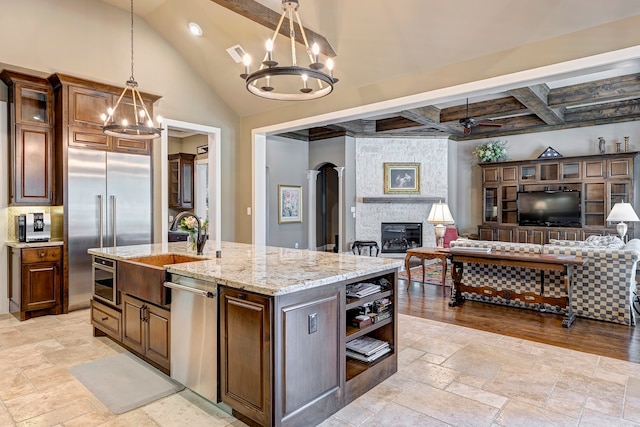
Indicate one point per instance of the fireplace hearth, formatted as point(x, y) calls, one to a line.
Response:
point(397, 237)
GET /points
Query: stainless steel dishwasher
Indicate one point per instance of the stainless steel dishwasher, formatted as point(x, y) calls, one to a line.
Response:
point(194, 334)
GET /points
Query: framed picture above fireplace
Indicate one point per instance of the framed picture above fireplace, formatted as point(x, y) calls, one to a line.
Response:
point(289, 204)
point(401, 178)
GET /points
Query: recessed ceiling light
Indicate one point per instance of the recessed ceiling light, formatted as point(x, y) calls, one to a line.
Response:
point(195, 29)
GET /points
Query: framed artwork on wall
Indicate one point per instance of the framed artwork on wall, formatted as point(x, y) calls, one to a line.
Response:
point(401, 178)
point(289, 204)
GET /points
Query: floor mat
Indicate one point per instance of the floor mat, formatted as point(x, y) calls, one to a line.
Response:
point(124, 382)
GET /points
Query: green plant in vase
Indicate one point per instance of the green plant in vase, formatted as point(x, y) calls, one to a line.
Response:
point(491, 151)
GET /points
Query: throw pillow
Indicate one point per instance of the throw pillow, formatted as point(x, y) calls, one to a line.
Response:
point(608, 242)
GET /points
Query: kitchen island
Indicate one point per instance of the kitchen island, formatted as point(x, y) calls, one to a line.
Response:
point(284, 323)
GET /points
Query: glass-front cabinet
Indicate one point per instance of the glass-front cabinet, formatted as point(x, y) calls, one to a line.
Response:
point(601, 181)
point(490, 204)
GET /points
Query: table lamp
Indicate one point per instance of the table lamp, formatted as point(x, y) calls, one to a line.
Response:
point(439, 216)
point(622, 212)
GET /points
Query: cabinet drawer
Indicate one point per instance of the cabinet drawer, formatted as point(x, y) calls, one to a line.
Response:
point(46, 254)
point(106, 319)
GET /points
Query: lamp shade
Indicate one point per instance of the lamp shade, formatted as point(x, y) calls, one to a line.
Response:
point(440, 214)
point(623, 212)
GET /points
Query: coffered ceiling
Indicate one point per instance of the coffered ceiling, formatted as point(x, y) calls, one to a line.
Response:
point(556, 105)
point(381, 40)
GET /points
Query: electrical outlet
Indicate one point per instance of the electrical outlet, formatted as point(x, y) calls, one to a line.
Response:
point(296, 245)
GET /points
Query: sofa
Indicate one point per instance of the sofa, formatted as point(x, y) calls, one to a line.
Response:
point(603, 288)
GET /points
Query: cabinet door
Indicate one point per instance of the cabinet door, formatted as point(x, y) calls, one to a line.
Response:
point(522, 236)
point(594, 169)
point(486, 233)
point(40, 285)
point(509, 174)
point(33, 104)
point(86, 107)
point(490, 204)
point(158, 334)
point(133, 323)
point(32, 165)
point(620, 168)
point(245, 353)
point(490, 175)
point(506, 234)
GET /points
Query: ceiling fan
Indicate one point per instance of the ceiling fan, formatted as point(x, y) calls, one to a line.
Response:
point(469, 122)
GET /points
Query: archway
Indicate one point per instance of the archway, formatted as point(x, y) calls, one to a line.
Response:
point(327, 220)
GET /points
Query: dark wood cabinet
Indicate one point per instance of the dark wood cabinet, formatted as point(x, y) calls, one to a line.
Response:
point(146, 330)
point(35, 287)
point(603, 180)
point(31, 147)
point(283, 358)
point(245, 353)
point(80, 104)
point(181, 178)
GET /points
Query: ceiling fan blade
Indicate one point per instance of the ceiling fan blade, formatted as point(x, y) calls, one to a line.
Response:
point(489, 124)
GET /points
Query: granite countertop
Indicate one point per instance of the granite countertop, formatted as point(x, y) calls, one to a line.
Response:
point(262, 269)
point(26, 245)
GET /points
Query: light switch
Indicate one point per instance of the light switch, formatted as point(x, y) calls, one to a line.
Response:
point(313, 323)
point(249, 211)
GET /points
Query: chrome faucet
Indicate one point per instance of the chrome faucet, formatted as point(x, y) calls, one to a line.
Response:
point(201, 237)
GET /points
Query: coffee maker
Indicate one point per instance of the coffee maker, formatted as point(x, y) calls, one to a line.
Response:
point(38, 227)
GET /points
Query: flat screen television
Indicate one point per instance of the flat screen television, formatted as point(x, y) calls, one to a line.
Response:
point(549, 208)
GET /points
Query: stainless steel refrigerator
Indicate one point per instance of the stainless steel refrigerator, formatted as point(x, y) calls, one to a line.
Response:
point(109, 204)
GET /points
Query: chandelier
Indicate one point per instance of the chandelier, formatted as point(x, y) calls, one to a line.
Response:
point(293, 82)
point(140, 124)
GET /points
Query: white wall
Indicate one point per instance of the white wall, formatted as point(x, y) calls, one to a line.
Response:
point(569, 142)
point(287, 161)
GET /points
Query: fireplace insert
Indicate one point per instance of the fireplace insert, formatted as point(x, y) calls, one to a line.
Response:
point(397, 237)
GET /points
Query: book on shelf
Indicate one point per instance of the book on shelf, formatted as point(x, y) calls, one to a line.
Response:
point(360, 290)
point(366, 345)
point(370, 358)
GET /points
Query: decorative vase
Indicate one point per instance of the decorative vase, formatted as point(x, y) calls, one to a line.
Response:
point(601, 145)
point(192, 243)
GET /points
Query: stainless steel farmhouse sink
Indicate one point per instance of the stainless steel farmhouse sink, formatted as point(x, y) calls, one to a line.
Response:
point(144, 277)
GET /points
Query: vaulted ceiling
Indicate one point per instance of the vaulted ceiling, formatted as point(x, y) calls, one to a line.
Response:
point(378, 41)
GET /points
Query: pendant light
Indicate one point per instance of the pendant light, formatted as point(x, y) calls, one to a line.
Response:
point(140, 124)
point(292, 82)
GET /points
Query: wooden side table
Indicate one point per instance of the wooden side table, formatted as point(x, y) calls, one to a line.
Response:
point(424, 254)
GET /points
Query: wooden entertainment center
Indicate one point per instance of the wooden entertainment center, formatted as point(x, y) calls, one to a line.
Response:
point(602, 180)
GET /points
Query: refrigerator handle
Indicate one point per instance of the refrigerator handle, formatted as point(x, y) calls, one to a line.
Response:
point(100, 225)
point(113, 219)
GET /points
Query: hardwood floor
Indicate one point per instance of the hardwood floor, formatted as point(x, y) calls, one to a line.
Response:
point(591, 336)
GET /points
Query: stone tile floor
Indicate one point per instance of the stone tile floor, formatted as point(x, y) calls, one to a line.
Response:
point(448, 375)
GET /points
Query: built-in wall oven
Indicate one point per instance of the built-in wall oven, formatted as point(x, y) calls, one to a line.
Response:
point(104, 280)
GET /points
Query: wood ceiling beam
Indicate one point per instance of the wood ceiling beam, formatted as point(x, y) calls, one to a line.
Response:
point(429, 116)
point(264, 16)
point(535, 99)
point(596, 91)
point(494, 108)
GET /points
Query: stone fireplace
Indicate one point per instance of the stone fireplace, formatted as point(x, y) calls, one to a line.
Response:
point(397, 237)
point(375, 207)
